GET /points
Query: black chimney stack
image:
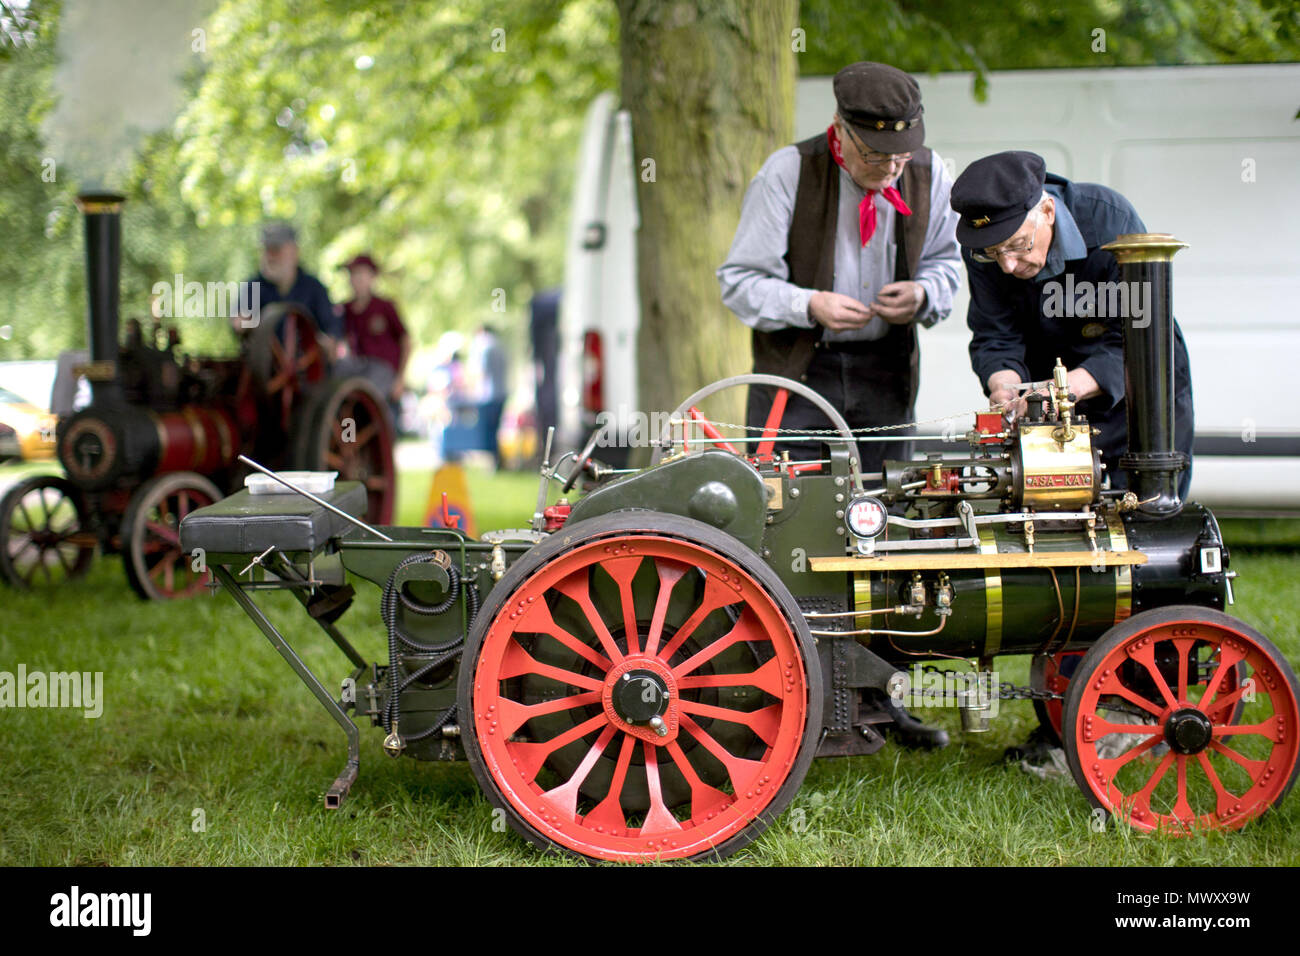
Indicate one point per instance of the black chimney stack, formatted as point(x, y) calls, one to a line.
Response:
point(1152, 461)
point(102, 212)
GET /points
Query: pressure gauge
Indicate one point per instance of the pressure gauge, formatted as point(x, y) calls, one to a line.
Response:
point(866, 516)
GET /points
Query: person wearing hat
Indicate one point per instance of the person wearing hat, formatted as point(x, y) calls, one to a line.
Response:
point(1031, 238)
point(282, 279)
point(845, 244)
point(374, 329)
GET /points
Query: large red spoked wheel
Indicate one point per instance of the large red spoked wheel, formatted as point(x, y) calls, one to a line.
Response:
point(346, 427)
point(157, 567)
point(44, 533)
point(1152, 746)
point(640, 686)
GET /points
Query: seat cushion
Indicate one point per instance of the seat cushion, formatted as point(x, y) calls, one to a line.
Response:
point(246, 524)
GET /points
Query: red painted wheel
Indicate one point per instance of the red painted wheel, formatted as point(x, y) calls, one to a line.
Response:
point(1152, 746)
point(633, 694)
point(157, 567)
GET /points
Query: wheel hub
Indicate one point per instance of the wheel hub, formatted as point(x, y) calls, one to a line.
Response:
point(1188, 731)
point(639, 697)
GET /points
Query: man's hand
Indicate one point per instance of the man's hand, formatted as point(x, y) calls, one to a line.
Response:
point(1000, 389)
point(839, 313)
point(899, 302)
point(395, 393)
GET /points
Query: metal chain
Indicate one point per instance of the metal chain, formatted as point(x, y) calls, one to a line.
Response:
point(1006, 689)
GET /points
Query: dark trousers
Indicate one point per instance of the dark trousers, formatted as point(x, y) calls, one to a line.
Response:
point(869, 383)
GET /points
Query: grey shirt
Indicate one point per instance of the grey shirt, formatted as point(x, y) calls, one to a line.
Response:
point(754, 278)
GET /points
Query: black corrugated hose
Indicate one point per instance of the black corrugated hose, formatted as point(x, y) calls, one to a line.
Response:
point(445, 652)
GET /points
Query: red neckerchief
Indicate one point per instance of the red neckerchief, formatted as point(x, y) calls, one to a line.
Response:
point(867, 209)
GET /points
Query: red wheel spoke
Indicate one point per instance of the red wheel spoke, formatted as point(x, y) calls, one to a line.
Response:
point(765, 722)
point(1146, 656)
point(623, 570)
point(706, 801)
point(529, 757)
point(1228, 702)
point(1182, 809)
point(1142, 799)
point(1223, 800)
point(746, 628)
point(608, 814)
point(1112, 766)
point(1253, 767)
point(166, 532)
point(670, 572)
point(575, 586)
point(1229, 658)
point(1270, 728)
point(766, 678)
point(1101, 727)
point(1183, 645)
point(364, 436)
point(165, 565)
point(564, 798)
point(514, 714)
point(773, 423)
point(716, 595)
point(539, 620)
point(742, 771)
point(518, 662)
point(659, 818)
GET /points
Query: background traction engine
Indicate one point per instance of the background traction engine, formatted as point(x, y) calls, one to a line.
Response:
point(648, 672)
point(163, 432)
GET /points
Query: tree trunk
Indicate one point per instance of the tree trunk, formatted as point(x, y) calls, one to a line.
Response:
point(710, 88)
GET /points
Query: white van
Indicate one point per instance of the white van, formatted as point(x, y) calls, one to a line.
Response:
point(1210, 154)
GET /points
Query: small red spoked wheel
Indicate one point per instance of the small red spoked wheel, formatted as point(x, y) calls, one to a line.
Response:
point(644, 688)
point(1153, 745)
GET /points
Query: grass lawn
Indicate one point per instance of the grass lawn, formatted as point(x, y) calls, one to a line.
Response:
point(203, 722)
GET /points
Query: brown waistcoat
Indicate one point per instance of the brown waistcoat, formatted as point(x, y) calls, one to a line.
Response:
point(810, 252)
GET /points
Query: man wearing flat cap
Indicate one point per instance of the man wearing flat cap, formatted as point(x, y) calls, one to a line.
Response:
point(845, 244)
point(1040, 289)
point(282, 279)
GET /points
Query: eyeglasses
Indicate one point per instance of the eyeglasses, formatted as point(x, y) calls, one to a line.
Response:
point(1017, 248)
point(870, 156)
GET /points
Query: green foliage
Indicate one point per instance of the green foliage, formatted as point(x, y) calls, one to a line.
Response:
point(982, 35)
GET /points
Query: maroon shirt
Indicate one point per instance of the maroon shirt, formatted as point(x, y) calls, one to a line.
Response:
point(375, 331)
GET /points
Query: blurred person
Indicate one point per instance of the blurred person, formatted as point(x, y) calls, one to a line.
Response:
point(375, 333)
point(281, 278)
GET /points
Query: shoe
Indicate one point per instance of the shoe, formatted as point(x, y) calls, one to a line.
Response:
point(910, 732)
point(1037, 747)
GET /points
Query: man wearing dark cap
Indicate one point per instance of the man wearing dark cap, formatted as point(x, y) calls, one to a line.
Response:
point(282, 279)
point(374, 330)
point(1041, 287)
point(845, 243)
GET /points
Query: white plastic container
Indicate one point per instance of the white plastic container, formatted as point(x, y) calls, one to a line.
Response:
point(316, 482)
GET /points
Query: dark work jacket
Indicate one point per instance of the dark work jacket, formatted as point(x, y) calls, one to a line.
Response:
point(810, 254)
point(1011, 327)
